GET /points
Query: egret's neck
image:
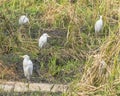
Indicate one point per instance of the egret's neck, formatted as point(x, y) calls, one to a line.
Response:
point(101, 17)
point(26, 59)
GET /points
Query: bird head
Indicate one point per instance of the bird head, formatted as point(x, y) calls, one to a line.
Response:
point(101, 17)
point(46, 35)
point(25, 56)
point(23, 16)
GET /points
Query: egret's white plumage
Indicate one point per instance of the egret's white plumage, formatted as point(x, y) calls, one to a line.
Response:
point(43, 40)
point(23, 19)
point(98, 24)
point(27, 66)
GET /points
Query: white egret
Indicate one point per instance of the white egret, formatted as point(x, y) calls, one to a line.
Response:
point(98, 25)
point(23, 19)
point(27, 66)
point(43, 40)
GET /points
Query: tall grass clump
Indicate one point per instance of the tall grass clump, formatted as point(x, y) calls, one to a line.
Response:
point(101, 75)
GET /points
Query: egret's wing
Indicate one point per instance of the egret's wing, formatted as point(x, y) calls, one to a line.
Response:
point(30, 62)
point(30, 66)
point(27, 73)
point(28, 70)
point(42, 41)
point(98, 25)
point(25, 20)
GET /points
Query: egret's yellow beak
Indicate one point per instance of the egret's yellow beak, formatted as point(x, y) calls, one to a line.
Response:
point(48, 36)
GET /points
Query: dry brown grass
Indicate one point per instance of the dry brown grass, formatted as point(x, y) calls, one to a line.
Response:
point(103, 72)
point(7, 71)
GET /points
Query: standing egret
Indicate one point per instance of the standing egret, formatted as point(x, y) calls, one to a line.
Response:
point(27, 66)
point(43, 40)
point(23, 19)
point(98, 25)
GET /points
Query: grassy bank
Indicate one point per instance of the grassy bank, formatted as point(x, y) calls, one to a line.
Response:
point(73, 53)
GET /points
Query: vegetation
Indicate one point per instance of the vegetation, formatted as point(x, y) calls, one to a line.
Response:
point(73, 53)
